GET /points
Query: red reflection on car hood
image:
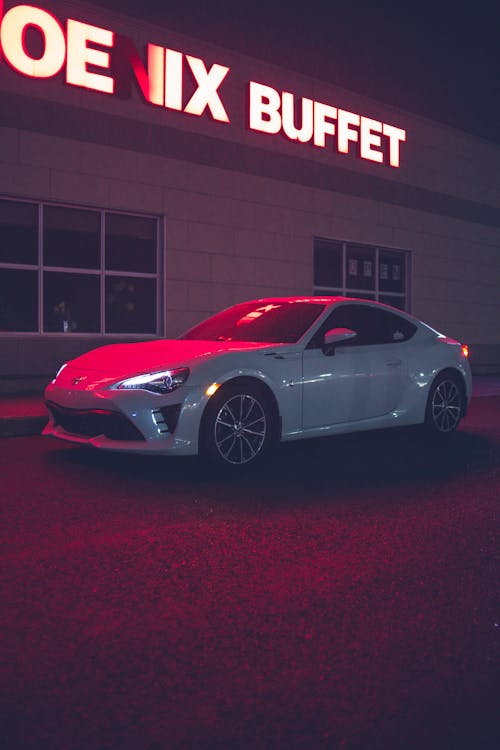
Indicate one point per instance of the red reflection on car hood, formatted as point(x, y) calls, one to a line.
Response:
point(120, 360)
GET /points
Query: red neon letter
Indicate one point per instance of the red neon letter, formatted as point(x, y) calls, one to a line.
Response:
point(80, 56)
point(151, 81)
point(264, 108)
point(173, 81)
point(206, 94)
point(155, 81)
point(14, 25)
point(395, 135)
point(161, 84)
point(304, 134)
point(345, 132)
point(322, 125)
point(370, 140)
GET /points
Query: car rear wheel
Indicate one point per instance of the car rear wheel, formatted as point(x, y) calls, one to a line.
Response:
point(238, 427)
point(445, 405)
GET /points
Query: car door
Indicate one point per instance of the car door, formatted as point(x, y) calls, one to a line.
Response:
point(361, 379)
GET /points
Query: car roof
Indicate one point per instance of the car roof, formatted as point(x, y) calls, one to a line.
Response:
point(330, 300)
point(316, 300)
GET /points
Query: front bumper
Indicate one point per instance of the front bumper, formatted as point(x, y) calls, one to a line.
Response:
point(126, 421)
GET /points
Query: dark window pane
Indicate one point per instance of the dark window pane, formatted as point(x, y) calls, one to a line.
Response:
point(391, 271)
point(360, 270)
point(398, 302)
point(18, 232)
point(71, 237)
point(329, 293)
point(363, 320)
point(18, 300)
point(327, 263)
point(71, 302)
point(130, 243)
point(373, 325)
point(130, 305)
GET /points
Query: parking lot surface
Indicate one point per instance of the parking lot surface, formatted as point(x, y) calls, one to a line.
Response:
point(345, 596)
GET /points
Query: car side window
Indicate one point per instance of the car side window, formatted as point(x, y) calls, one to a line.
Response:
point(373, 326)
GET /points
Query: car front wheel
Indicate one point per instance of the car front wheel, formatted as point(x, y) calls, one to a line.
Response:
point(238, 427)
point(445, 405)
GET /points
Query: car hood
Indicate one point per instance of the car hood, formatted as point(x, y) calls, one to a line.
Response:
point(121, 360)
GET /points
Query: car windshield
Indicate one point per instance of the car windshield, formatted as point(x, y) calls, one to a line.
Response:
point(264, 321)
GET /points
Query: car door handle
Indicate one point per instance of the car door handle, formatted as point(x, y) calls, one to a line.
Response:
point(393, 362)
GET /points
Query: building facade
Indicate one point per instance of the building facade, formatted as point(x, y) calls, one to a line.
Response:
point(149, 179)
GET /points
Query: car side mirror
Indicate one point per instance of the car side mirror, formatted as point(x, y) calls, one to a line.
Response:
point(336, 336)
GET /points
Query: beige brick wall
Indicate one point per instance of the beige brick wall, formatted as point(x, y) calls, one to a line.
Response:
point(233, 236)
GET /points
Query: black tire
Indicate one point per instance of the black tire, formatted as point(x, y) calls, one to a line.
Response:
point(445, 405)
point(239, 426)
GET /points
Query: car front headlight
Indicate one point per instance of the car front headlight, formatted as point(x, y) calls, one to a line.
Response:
point(165, 381)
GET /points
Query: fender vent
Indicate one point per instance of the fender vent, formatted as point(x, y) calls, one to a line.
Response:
point(167, 417)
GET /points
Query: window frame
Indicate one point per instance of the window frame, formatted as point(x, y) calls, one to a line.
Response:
point(367, 294)
point(100, 271)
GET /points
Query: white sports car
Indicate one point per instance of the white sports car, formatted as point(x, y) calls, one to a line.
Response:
point(259, 372)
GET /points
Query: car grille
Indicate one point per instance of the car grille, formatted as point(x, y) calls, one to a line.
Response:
point(92, 422)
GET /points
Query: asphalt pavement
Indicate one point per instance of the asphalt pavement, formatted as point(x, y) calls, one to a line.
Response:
point(344, 597)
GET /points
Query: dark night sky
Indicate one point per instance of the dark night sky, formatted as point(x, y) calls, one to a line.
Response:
point(441, 61)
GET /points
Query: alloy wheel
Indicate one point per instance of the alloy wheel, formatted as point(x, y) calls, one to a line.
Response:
point(240, 429)
point(446, 406)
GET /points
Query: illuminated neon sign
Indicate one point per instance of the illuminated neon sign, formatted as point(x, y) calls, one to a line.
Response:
point(85, 52)
point(272, 112)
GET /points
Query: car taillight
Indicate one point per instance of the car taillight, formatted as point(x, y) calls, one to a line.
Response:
point(465, 350)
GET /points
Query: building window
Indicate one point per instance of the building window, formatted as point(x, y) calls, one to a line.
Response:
point(71, 238)
point(71, 302)
point(77, 270)
point(18, 233)
point(18, 300)
point(363, 271)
